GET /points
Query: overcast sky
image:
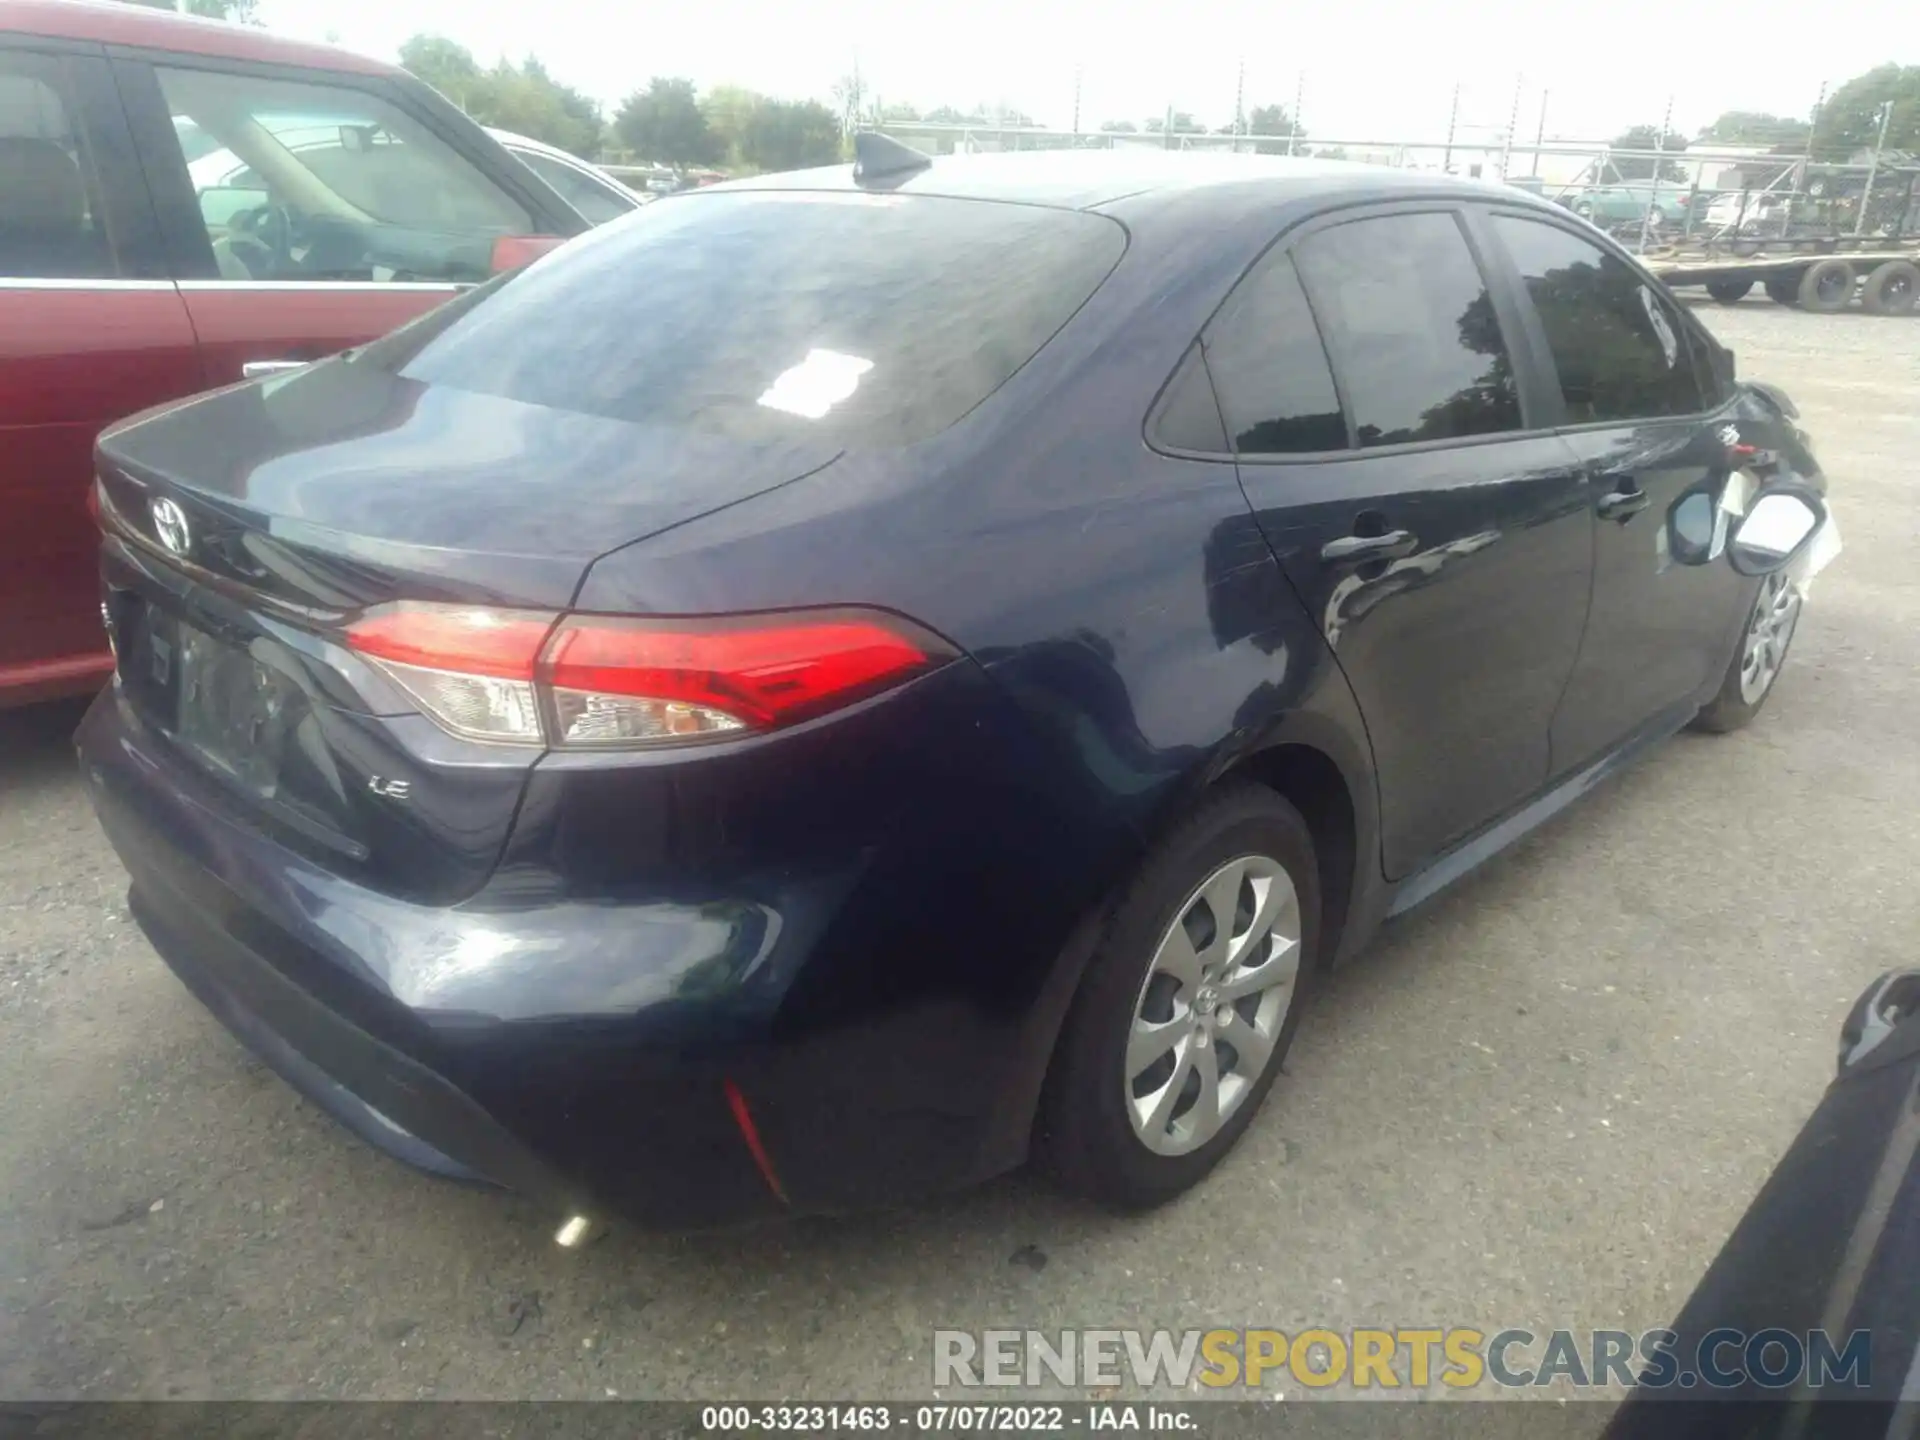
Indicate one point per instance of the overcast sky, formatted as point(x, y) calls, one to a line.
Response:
point(1373, 69)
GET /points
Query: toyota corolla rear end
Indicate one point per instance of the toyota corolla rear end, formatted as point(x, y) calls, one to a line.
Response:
point(636, 912)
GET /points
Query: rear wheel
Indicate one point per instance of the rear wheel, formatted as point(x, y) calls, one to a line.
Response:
point(1729, 292)
point(1758, 661)
point(1783, 289)
point(1827, 286)
point(1185, 1014)
point(1892, 288)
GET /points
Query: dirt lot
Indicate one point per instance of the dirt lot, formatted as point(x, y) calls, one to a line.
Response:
point(1541, 1102)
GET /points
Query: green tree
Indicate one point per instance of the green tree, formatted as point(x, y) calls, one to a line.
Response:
point(790, 135)
point(1850, 120)
point(1755, 127)
point(524, 98)
point(1120, 127)
point(664, 122)
point(1646, 137)
point(1273, 121)
point(729, 110)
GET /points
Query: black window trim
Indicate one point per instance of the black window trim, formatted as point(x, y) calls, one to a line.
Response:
point(151, 121)
point(1539, 390)
point(1536, 331)
point(121, 185)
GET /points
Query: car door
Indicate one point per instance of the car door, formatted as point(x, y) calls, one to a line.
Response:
point(1644, 420)
point(1383, 422)
point(320, 209)
point(90, 330)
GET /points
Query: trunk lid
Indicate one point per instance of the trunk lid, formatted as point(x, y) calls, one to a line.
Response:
point(345, 485)
point(245, 526)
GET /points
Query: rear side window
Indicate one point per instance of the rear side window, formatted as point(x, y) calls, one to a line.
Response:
point(52, 225)
point(874, 320)
point(1618, 347)
point(1411, 328)
point(1271, 372)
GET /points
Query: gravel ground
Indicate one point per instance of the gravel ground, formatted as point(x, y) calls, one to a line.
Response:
point(1542, 1101)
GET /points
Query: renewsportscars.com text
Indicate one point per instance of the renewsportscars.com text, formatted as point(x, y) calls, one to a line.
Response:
point(1413, 1358)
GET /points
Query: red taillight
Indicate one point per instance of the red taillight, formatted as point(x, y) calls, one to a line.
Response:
point(93, 503)
point(590, 680)
point(473, 641)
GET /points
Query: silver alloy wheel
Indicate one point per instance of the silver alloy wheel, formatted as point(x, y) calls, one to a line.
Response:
point(1212, 1005)
point(1769, 630)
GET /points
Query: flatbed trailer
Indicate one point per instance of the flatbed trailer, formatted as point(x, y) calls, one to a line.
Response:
point(1821, 274)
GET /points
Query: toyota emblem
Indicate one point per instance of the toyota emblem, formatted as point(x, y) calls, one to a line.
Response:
point(170, 524)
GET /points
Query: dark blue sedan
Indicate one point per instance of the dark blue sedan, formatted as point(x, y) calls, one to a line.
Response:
point(834, 683)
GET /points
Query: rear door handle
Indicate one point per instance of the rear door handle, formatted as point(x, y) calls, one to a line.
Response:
point(1622, 504)
point(1356, 549)
point(254, 369)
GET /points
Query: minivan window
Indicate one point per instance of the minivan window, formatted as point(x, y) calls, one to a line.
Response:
point(51, 227)
point(1271, 371)
point(1619, 349)
point(1411, 329)
point(867, 319)
point(325, 182)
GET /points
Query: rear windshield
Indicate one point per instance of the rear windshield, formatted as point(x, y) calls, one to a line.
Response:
point(871, 320)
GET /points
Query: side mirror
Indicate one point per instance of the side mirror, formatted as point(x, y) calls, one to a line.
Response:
point(510, 252)
point(1778, 523)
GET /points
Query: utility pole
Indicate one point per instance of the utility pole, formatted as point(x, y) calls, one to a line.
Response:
point(1453, 116)
point(1653, 196)
point(1540, 135)
point(1240, 106)
point(1513, 120)
point(1873, 168)
point(1293, 126)
point(1076, 104)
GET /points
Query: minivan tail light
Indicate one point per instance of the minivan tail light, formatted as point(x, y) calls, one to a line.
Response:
point(602, 681)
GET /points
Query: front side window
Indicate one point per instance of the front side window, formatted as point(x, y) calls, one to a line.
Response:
point(301, 181)
point(1620, 351)
point(52, 218)
point(1411, 328)
point(596, 200)
point(1270, 370)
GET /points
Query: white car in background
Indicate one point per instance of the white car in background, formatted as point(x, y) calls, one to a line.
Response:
point(594, 193)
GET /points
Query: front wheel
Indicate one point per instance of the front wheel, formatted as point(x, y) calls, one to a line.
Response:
point(1187, 1010)
point(1758, 661)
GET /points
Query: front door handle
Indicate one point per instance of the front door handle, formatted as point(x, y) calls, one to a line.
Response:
point(1622, 504)
point(1357, 549)
point(254, 369)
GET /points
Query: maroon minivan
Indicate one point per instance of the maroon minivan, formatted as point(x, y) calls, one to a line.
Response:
point(184, 204)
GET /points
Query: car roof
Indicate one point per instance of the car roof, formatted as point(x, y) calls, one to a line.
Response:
point(1091, 179)
point(114, 22)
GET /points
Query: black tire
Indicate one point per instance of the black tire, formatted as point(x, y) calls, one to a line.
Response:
point(1892, 288)
point(1729, 292)
point(1085, 1138)
point(1827, 286)
point(1734, 707)
point(1783, 289)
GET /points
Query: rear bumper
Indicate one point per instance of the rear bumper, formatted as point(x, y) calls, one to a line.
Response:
point(873, 977)
point(333, 988)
